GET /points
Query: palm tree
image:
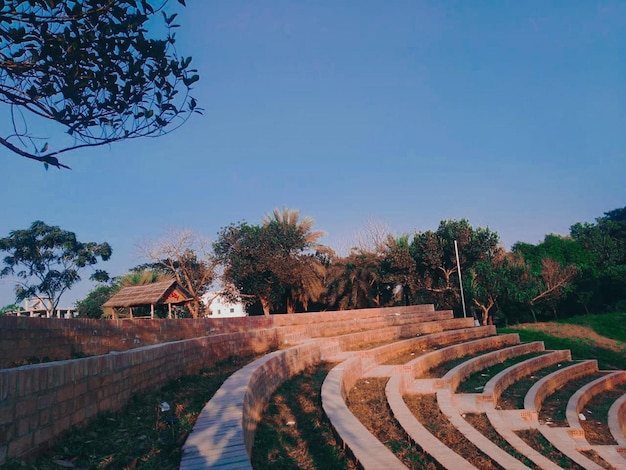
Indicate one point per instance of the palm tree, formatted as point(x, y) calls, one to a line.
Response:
point(354, 281)
point(143, 277)
point(296, 257)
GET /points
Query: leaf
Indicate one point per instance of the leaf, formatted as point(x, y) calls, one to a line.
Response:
point(188, 81)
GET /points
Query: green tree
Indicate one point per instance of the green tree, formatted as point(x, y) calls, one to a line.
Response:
point(10, 308)
point(435, 257)
point(245, 255)
point(275, 263)
point(91, 305)
point(567, 252)
point(604, 275)
point(398, 270)
point(502, 279)
point(91, 67)
point(46, 261)
point(354, 281)
point(546, 280)
point(295, 254)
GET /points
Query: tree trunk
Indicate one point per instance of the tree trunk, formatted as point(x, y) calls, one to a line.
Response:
point(485, 309)
point(291, 305)
point(266, 306)
point(194, 307)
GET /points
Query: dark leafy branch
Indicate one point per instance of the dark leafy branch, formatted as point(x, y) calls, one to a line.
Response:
point(90, 66)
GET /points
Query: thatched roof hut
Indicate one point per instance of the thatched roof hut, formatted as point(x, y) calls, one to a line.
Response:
point(165, 292)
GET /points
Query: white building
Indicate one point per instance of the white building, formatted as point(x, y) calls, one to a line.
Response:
point(42, 307)
point(217, 306)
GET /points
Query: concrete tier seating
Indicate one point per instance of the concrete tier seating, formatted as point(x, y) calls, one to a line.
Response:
point(206, 447)
point(454, 406)
point(363, 343)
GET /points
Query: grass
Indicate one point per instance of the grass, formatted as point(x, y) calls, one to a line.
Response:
point(477, 381)
point(481, 422)
point(535, 439)
point(142, 435)
point(610, 325)
point(367, 401)
point(580, 349)
point(294, 432)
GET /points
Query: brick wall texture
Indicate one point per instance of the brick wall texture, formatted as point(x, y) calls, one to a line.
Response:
point(39, 402)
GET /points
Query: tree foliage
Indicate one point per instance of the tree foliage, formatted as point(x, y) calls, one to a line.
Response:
point(91, 305)
point(91, 67)
point(493, 281)
point(46, 261)
point(354, 281)
point(279, 266)
point(184, 256)
point(435, 256)
point(603, 277)
point(10, 309)
point(276, 263)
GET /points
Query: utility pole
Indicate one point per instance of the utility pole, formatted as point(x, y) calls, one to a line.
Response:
point(458, 266)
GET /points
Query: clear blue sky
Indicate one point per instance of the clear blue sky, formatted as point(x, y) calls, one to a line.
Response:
point(511, 114)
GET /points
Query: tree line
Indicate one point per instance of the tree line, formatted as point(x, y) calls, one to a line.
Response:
point(279, 266)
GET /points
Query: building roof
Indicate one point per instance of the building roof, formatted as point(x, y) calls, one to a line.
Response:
point(164, 292)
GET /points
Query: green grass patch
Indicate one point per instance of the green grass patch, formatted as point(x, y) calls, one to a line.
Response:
point(610, 325)
point(294, 431)
point(537, 441)
point(476, 382)
point(580, 350)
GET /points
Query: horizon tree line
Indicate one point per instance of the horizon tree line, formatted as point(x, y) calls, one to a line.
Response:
point(279, 266)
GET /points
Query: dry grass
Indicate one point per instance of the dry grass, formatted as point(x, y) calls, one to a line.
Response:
point(426, 410)
point(553, 407)
point(368, 403)
point(481, 422)
point(513, 397)
point(596, 412)
point(594, 457)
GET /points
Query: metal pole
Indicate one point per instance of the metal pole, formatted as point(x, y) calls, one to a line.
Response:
point(458, 266)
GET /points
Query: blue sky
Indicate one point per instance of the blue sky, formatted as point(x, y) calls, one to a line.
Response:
point(510, 114)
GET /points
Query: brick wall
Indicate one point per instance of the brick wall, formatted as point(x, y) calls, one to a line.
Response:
point(56, 339)
point(40, 402)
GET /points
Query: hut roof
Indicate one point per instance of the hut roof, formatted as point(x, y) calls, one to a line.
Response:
point(164, 292)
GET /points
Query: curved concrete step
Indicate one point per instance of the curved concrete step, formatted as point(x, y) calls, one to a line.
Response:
point(548, 384)
point(367, 450)
point(433, 446)
point(223, 434)
point(584, 394)
point(504, 379)
point(617, 421)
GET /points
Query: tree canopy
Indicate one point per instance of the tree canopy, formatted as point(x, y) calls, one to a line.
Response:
point(185, 256)
point(90, 67)
point(279, 266)
point(276, 262)
point(46, 261)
